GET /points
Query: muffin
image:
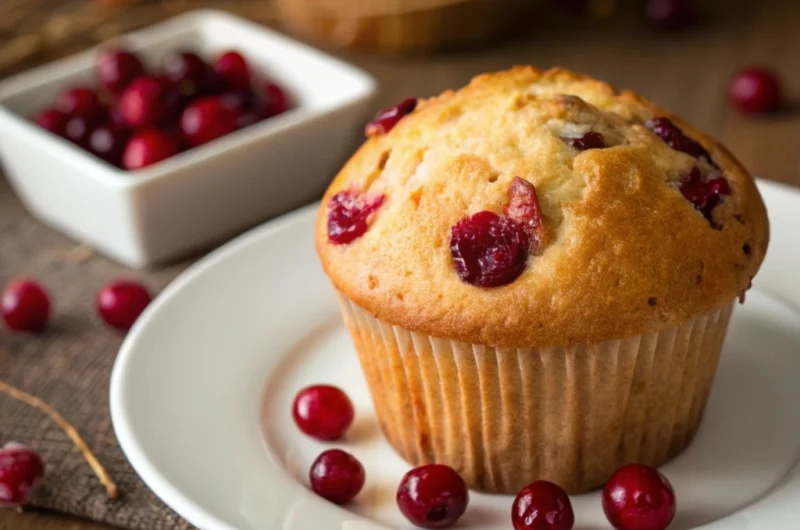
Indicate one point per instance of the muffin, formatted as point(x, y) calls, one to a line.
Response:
point(537, 272)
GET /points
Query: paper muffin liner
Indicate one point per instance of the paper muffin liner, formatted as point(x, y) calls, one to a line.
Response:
point(504, 417)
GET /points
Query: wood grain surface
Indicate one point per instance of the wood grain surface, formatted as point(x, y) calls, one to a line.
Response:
point(686, 72)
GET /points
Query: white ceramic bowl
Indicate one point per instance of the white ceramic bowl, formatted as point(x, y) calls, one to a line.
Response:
point(201, 196)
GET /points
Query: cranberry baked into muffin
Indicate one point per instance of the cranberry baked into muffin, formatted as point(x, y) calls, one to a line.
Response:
point(537, 272)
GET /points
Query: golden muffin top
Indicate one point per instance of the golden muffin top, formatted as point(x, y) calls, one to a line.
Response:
point(535, 208)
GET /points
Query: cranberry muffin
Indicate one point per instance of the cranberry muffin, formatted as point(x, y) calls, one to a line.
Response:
point(537, 272)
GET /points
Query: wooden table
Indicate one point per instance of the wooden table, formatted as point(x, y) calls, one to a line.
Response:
point(685, 72)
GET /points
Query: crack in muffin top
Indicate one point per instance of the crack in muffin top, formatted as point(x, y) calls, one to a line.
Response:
point(645, 221)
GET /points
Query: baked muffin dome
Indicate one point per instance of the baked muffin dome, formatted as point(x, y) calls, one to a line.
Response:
point(645, 221)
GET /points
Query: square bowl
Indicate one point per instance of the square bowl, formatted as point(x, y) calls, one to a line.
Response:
point(201, 196)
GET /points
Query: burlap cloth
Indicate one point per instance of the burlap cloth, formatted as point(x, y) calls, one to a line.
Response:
point(69, 365)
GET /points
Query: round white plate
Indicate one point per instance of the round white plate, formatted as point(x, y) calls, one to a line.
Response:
point(202, 388)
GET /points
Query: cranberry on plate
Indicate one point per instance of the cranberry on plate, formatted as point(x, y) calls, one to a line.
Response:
point(323, 412)
point(432, 496)
point(21, 473)
point(336, 476)
point(52, 120)
point(756, 90)
point(145, 102)
point(108, 141)
point(276, 101)
point(542, 505)
point(25, 306)
point(116, 68)
point(233, 71)
point(148, 147)
point(207, 119)
point(189, 74)
point(638, 497)
point(120, 303)
point(80, 101)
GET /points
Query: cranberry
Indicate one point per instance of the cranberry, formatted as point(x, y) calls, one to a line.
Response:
point(489, 250)
point(386, 119)
point(78, 130)
point(120, 303)
point(275, 100)
point(188, 73)
point(669, 14)
point(21, 473)
point(116, 69)
point(147, 147)
point(349, 215)
point(674, 137)
point(207, 119)
point(143, 103)
point(233, 70)
point(242, 99)
point(25, 306)
point(323, 411)
point(542, 506)
point(336, 476)
point(52, 120)
point(523, 207)
point(432, 496)
point(755, 90)
point(80, 102)
point(590, 140)
point(638, 497)
point(108, 142)
point(706, 193)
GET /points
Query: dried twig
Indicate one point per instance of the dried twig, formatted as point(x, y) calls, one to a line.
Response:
point(97, 467)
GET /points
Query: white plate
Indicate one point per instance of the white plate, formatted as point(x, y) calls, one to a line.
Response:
point(201, 393)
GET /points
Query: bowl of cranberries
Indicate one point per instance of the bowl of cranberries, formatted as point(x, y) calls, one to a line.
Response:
point(175, 137)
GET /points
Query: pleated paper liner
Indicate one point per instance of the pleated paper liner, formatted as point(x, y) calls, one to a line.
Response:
point(402, 26)
point(506, 417)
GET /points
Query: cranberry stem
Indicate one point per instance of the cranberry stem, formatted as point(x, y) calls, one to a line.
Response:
point(111, 488)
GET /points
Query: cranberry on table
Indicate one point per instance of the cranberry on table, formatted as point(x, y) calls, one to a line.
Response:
point(52, 120)
point(80, 102)
point(385, 120)
point(336, 476)
point(669, 14)
point(21, 472)
point(542, 505)
point(207, 119)
point(590, 140)
point(188, 73)
point(116, 68)
point(276, 101)
point(120, 303)
point(432, 496)
point(148, 147)
point(323, 411)
point(638, 497)
point(108, 142)
point(25, 306)
point(756, 90)
point(349, 215)
point(144, 103)
point(232, 69)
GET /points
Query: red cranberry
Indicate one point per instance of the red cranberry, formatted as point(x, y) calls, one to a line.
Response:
point(233, 70)
point(116, 69)
point(242, 100)
point(80, 102)
point(78, 131)
point(52, 120)
point(706, 193)
point(432, 496)
point(542, 506)
point(336, 476)
point(143, 103)
point(669, 14)
point(188, 73)
point(276, 100)
point(755, 90)
point(21, 473)
point(638, 497)
point(386, 119)
point(120, 303)
point(147, 147)
point(523, 207)
point(674, 137)
point(323, 411)
point(349, 215)
point(108, 142)
point(25, 306)
point(208, 119)
point(489, 250)
point(590, 140)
